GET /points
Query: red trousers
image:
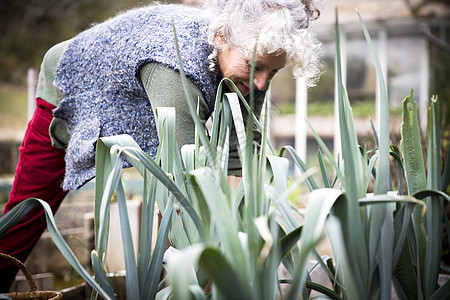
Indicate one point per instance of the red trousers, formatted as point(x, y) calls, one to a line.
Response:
point(39, 174)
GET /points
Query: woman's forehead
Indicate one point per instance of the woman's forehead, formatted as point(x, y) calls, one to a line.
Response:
point(276, 60)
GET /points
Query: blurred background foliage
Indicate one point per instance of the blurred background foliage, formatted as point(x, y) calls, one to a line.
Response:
point(28, 28)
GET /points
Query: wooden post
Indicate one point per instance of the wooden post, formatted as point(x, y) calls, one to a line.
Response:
point(424, 87)
point(301, 104)
point(32, 79)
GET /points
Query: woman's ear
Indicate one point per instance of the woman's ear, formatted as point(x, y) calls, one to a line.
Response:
point(219, 39)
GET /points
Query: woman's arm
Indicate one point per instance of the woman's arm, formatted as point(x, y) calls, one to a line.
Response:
point(164, 89)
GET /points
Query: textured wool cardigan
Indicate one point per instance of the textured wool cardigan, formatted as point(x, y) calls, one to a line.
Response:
point(98, 74)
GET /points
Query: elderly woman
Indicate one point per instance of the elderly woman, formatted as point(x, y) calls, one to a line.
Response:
point(106, 81)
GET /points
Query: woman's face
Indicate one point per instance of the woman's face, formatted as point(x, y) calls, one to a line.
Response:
point(236, 66)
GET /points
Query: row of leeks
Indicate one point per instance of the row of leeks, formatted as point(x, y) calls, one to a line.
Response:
point(386, 238)
point(233, 239)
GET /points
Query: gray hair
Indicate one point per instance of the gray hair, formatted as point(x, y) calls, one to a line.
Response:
point(273, 25)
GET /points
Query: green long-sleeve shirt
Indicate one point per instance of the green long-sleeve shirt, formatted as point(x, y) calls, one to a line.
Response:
point(163, 87)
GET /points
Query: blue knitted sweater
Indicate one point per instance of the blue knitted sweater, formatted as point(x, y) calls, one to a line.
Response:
point(98, 73)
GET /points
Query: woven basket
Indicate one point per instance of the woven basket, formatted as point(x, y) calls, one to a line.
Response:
point(34, 293)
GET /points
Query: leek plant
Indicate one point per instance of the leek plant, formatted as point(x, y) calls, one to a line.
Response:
point(385, 238)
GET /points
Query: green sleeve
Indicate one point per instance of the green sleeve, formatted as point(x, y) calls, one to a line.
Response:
point(164, 89)
point(48, 92)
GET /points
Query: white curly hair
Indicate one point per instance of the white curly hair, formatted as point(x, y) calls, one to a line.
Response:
point(275, 26)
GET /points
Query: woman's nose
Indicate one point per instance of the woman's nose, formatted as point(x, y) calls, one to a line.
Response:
point(260, 80)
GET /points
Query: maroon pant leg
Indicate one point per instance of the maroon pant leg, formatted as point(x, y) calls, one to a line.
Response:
point(39, 174)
